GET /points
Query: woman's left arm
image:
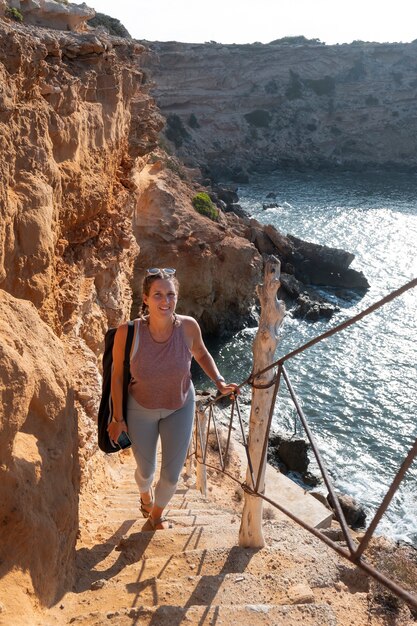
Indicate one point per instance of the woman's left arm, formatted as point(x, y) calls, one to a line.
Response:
point(204, 358)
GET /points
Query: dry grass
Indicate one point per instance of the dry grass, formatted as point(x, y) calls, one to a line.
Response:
point(399, 563)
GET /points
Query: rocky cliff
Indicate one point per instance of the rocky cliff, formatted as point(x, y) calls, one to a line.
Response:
point(282, 104)
point(77, 127)
point(74, 119)
point(87, 201)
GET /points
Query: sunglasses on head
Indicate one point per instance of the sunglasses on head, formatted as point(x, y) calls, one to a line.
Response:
point(165, 272)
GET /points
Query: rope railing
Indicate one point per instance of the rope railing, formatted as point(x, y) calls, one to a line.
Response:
point(354, 553)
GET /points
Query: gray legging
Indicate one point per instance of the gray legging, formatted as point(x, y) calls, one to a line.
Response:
point(175, 428)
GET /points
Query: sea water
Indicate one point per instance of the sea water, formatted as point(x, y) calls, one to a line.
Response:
point(358, 388)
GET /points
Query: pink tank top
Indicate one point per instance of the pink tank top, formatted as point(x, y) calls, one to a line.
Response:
point(160, 371)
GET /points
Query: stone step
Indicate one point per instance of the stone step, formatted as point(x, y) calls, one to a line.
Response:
point(139, 542)
point(245, 615)
point(217, 561)
point(180, 519)
point(224, 589)
point(180, 501)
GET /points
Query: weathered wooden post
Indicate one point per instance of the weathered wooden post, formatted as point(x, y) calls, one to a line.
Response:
point(264, 345)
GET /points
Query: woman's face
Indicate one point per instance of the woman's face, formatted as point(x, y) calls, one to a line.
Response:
point(162, 298)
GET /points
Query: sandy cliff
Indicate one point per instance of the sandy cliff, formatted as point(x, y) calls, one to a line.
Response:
point(74, 117)
point(77, 125)
point(234, 106)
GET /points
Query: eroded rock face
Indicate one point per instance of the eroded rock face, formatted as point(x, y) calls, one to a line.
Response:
point(217, 268)
point(59, 15)
point(39, 472)
point(236, 106)
point(74, 118)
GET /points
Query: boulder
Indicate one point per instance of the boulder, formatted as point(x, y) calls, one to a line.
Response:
point(354, 513)
point(229, 196)
point(316, 273)
point(55, 15)
point(322, 255)
point(312, 309)
point(309, 304)
point(291, 452)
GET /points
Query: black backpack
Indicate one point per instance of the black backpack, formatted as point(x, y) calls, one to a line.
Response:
point(105, 412)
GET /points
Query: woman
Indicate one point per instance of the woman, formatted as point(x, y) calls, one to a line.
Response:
point(161, 394)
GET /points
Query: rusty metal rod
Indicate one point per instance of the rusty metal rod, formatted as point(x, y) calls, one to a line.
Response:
point(207, 435)
point(394, 294)
point(320, 462)
point(245, 444)
point(387, 499)
point(218, 443)
point(371, 571)
point(229, 432)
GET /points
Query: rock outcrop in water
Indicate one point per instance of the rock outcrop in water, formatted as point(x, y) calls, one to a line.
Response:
point(234, 107)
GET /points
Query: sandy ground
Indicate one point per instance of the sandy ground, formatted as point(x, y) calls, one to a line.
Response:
point(195, 572)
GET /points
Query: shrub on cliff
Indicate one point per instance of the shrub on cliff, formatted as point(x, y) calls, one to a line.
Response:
point(175, 130)
point(295, 87)
point(203, 204)
point(259, 118)
point(14, 14)
point(322, 86)
point(111, 24)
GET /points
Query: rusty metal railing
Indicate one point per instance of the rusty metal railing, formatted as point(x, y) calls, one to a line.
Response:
point(354, 553)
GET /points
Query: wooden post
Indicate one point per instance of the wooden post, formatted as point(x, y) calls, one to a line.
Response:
point(264, 345)
point(201, 481)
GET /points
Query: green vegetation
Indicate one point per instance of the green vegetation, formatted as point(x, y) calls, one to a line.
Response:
point(357, 71)
point(192, 121)
point(322, 86)
point(271, 86)
point(295, 87)
point(259, 118)
point(14, 14)
point(298, 39)
point(203, 204)
point(111, 24)
point(175, 166)
point(175, 130)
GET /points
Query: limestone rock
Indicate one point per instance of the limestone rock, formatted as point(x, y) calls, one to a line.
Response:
point(38, 441)
point(74, 118)
point(354, 513)
point(217, 269)
point(289, 103)
point(51, 14)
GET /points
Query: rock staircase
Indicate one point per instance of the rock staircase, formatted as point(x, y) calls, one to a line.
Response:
point(195, 573)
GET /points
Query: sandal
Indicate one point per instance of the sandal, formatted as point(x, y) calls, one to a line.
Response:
point(157, 522)
point(149, 504)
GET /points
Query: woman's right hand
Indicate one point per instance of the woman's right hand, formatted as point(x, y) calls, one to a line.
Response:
point(115, 428)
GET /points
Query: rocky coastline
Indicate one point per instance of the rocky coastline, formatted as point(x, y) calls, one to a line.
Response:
point(303, 264)
point(89, 199)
